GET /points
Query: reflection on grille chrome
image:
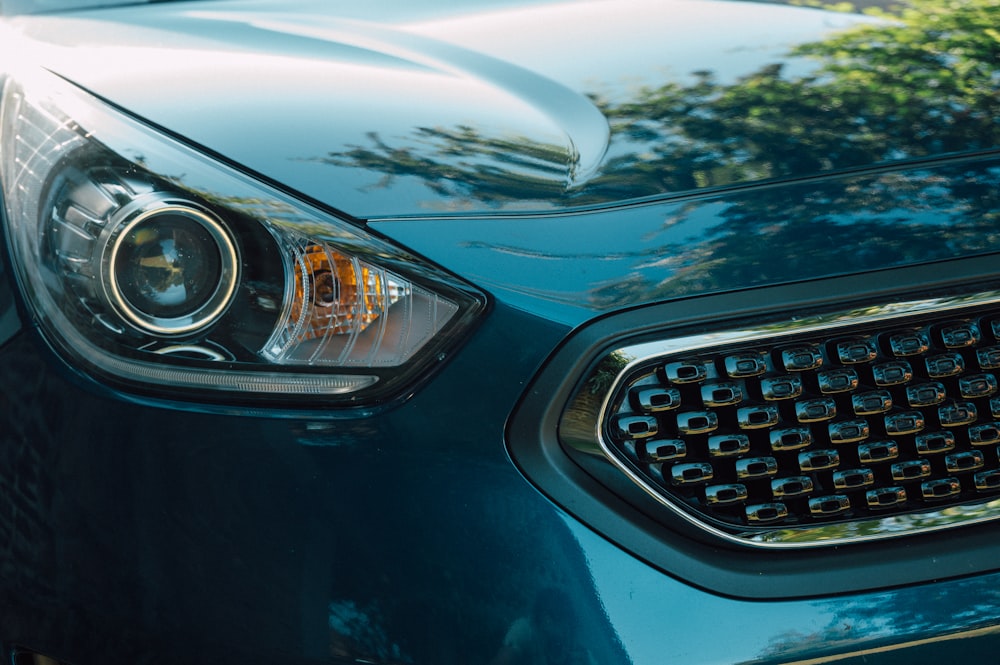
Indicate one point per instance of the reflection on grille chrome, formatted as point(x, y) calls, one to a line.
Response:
point(791, 439)
point(664, 450)
point(853, 479)
point(859, 425)
point(827, 506)
point(767, 512)
point(725, 494)
point(789, 487)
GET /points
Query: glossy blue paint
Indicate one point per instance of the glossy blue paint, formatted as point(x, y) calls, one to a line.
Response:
point(573, 266)
point(662, 620)
point(249, 538)
point(492, 122)
point(133, 533)
point(197, 537)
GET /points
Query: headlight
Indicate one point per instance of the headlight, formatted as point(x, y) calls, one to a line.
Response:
point(159, 270)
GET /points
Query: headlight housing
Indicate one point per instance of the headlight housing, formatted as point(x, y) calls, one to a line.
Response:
point(160, 270)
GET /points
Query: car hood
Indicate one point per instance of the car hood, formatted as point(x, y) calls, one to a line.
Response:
point(487, 107)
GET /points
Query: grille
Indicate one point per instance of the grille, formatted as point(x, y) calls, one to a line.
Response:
point(868, 426)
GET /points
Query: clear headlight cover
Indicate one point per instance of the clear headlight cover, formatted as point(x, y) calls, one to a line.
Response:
point(160, 270)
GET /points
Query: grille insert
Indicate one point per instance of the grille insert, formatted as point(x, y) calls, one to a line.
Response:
point(860, 425)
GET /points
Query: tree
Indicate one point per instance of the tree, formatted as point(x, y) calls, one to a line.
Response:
point(915, 84)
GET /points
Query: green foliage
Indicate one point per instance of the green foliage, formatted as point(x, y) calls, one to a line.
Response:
point(916, 82)
point(919, 83)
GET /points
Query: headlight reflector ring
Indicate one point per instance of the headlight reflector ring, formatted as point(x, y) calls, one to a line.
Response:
point(169, 267)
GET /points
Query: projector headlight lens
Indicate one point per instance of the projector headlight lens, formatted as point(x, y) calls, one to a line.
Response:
point(170, 270)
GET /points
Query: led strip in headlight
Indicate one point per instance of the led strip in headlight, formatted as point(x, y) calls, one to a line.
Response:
point(158, 269)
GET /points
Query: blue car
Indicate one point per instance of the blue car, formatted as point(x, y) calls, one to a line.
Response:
point(507, 332)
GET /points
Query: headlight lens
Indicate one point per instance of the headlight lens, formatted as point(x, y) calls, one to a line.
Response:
point(160, 270)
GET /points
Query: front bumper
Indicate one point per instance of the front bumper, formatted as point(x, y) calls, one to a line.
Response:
point(140, 534)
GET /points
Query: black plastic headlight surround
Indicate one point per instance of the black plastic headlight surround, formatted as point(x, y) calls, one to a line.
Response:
point(162, 271)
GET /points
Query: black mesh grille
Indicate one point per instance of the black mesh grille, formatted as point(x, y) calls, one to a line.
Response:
point(861, 423)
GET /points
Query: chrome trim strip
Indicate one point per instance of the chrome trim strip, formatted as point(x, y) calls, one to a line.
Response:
point(580, 425)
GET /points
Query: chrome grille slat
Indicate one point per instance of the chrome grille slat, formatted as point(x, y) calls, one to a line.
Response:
point(840, 424)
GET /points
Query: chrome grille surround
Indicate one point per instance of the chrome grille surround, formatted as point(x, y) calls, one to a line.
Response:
point(858, 425)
